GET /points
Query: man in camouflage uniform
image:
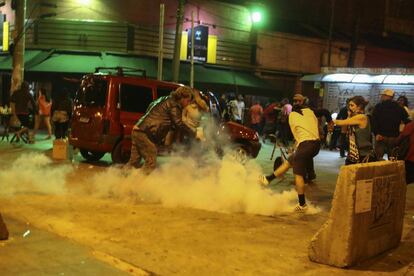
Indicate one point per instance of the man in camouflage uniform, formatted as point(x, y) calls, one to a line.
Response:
point(151, 129)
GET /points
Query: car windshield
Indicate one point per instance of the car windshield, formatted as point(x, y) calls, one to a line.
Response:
point(92, 92)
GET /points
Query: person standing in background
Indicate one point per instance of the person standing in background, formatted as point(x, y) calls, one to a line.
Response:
point(44, 108)
point(409, 159)
point(270, 115)
point(61, 114)
point(343, 141)
point(20, 101)
point(240, 109)
point(386, 119)
point(224, 108)
point(256, 114)
point(403, 102)
point(284, 134)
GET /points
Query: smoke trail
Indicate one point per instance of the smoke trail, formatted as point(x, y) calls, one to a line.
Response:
point(33, 173)
point(193, 178)
point(221, 186)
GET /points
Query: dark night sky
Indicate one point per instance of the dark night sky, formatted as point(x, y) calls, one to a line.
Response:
point(312, 18)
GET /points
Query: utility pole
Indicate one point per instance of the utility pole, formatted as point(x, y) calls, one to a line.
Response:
point(192, 51)
point(161, 42)
point(355, 34)
point(331, 25)
point(177, 43)
point(19, 45)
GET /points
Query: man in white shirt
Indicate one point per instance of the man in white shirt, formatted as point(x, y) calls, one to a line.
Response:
point(304, 126)
point(240, 108)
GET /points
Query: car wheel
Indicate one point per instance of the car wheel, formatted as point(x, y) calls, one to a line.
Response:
point(120, 155)
point(240, 153)
point(91, 156)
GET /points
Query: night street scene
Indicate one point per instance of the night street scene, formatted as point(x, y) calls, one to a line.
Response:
point(206, 137)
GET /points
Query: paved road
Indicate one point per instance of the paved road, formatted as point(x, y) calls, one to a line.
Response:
point(87, 220)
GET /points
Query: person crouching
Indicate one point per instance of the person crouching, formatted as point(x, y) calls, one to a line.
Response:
point(151, 129)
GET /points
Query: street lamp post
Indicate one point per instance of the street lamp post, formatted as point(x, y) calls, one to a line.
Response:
point(177, 43)
point(256, 18)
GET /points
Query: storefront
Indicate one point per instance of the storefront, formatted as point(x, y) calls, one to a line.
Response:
point(335, 85)
point(57, 66)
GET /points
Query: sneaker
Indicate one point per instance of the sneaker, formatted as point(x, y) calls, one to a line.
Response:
point(263, 180)
point(300, 209)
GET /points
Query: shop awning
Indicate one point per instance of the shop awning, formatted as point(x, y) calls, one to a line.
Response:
point(6, 59)
point(364, 75)
point(86, 62)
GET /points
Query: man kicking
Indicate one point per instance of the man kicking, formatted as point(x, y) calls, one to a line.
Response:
point(304, 126)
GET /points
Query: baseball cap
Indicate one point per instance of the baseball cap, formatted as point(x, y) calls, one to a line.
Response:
point(388, 92)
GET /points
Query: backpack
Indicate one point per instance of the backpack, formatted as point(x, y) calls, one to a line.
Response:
point(400, 151)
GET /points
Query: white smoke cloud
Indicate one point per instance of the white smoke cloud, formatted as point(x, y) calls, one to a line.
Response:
point(220, 185)
point(203, 182)
point(33, 173)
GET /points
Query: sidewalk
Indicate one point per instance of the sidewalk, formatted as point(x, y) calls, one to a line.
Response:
point(30, 251)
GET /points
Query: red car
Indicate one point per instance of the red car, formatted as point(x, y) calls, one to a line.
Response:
point(107, 106)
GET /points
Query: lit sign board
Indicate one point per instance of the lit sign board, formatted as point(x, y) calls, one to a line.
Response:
point(200, 43)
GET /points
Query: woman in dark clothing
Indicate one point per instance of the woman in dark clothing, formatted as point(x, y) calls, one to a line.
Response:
point(359, 132)
point(61, 114)
point(409, 159)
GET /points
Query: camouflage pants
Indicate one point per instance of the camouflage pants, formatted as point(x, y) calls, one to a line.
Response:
point(142, 147)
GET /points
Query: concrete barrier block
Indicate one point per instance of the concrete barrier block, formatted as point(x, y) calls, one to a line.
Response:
point(366, 217)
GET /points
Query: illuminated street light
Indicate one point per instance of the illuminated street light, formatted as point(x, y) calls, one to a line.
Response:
point(256, 17)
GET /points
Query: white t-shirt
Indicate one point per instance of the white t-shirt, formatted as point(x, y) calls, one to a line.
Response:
point(192, 116)
point(304, 127)
point(240, 110)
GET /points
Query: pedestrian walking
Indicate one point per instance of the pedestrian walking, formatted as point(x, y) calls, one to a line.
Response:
point(44, 108)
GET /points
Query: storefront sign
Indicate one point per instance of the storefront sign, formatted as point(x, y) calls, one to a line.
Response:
point(200, 43)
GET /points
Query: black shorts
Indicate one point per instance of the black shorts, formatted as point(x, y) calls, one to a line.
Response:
point(24, 119)
point(303, 156)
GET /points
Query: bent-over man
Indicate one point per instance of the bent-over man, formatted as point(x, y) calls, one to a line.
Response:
point(151, 129)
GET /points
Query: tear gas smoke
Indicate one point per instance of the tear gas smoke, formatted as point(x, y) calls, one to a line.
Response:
point(193, 178)
point(33, 173)
point(222, 186)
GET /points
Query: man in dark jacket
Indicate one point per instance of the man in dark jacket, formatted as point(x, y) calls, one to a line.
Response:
point(343, 141)
point(151, 129)
point(22, 104)
point(386, 118)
